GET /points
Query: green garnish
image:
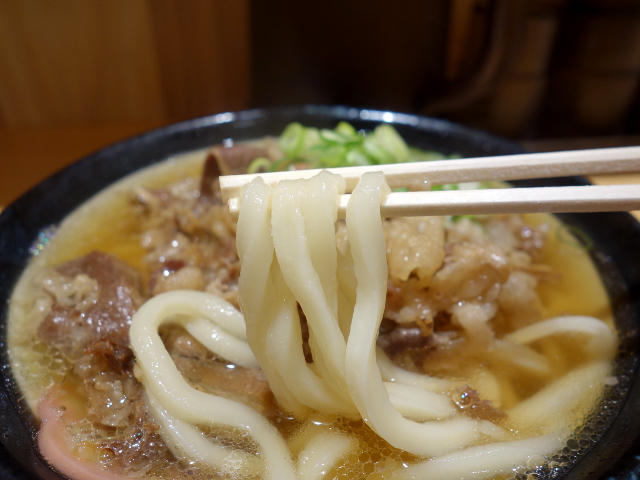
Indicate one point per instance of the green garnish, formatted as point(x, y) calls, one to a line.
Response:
point(260, 164)
point(457, 218)
point(346, 129)
point(446, 186)
point(283, 164)
point(291, 140)
point(344, 146)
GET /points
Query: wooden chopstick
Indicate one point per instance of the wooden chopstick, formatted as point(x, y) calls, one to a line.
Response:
point(591, 198)
point(439, 172)
point(419, 176)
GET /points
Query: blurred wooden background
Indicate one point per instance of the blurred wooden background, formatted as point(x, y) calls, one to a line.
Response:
point(73, 62)
point(76, 75)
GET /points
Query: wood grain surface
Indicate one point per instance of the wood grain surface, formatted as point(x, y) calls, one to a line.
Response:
point(83, 62)
point(28, 155)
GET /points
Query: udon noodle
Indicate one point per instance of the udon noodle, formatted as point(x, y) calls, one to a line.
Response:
point(287, 246)
point(315, 295)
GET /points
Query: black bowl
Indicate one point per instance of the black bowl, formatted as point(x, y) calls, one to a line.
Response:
point(616, 237)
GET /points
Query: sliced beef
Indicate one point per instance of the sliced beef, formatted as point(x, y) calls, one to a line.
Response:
point(236, 159)
point(210, 174)
point(468, 400)
point(223, 160)
point(207, 373)
point(401, 339)
point(71, 330)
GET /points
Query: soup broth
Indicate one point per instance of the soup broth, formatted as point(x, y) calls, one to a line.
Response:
point(567, 283)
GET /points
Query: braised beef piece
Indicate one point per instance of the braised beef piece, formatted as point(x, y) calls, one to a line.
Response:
point(396, 339)
point(468, 400)
point(210, 173)
point(129, 439)
point(110, 357)
point(167, 268)
point(205, 372)
point(119, 296)
point(223, 160)
point(96, 342)
point(236, 159)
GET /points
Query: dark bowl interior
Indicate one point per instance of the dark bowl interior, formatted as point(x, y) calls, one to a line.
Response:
point(616, 237)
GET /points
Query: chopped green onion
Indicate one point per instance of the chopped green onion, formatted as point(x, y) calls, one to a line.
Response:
point(330, 136)
point(260, 164)
point(390, 140)
point(457, 218)
point(357, 158)
point(283, 164)
point(291, 140)
point(446, 186)
point(417, 155)
point(333, 156)
point(345, 146)
point(346, 129)
point(377, 154)
point(311, 138)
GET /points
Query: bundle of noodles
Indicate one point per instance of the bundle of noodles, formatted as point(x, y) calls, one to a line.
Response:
point(291, 261)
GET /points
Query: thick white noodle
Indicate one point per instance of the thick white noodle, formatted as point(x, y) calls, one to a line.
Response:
point(286, 240)
point(520, 356)
point(322, 453)
point(303, 231)
point(287, 246)
point(216, 323)
point(493, 431)
point(392, 373)
point(165, 384)
point(219, 340)
point(187, 441)
point(364, 227)
point(285, 351)
point(602, 341)
point(257, 295)
point(557, 406)
point(346, 292)
point(310, 275)
point(484, 461)
point(270, 309)
point(419, 404)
